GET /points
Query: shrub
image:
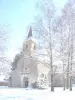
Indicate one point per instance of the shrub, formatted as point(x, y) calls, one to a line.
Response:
point(34, 84)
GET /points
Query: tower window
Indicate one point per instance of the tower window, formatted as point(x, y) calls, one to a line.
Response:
point(42, 75)
point(34, 47)
point(25, 68)
point(26, 45)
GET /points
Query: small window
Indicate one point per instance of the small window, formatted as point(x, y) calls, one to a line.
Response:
point(34, 47)
point(27, 46)
point(42, 75)
point(25, 68)
point(45, 77)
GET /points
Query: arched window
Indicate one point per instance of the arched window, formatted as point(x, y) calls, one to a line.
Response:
point(45, 77)
point(42, 75)
point(26, 46)
point(25, 68)
point(34, 47)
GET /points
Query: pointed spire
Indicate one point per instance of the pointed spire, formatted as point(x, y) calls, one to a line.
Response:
point(30, 32)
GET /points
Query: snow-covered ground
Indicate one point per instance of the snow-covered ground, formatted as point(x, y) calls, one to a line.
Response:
point(23, 94)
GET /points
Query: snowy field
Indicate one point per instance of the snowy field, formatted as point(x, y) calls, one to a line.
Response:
point(22, 94)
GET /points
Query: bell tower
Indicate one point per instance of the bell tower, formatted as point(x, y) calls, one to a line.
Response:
point(29, 45)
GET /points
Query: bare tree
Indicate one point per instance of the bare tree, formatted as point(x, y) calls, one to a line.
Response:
point(62, 53)
point(47, 35)
point(56, 38)
point(4, 36)
point(68, 17)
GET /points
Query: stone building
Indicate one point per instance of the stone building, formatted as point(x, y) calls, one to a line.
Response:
point(24, 66)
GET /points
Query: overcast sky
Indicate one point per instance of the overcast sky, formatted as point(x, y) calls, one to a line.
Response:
point(19, 14)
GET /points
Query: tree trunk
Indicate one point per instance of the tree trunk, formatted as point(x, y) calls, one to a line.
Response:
point(70, 83)
point(52, 82)
point(71, 67)
point(51, 64)
point(63, 77)
point(63, 82)
point(67, 85)
point(52, 75)
point(71, 61)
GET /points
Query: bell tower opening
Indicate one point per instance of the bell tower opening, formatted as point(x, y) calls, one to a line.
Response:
point(26, 46)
